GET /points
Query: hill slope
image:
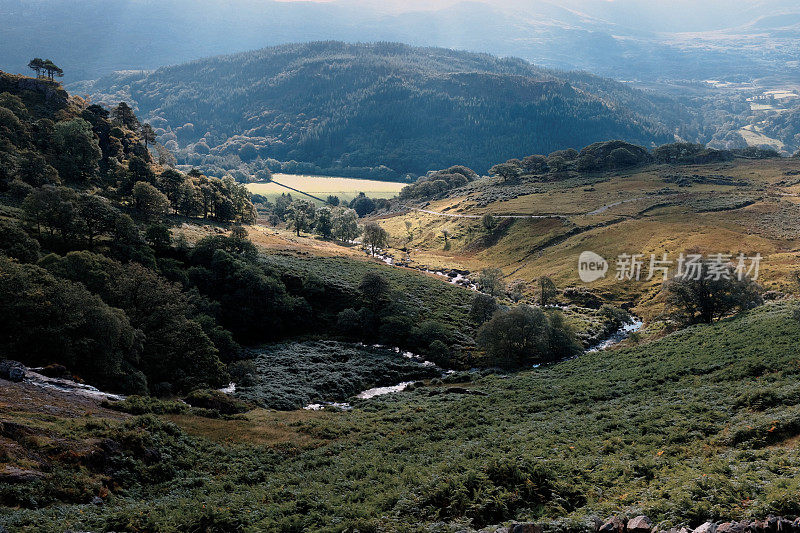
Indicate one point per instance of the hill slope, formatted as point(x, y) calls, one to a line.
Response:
point(699, 425)
point(357, 107)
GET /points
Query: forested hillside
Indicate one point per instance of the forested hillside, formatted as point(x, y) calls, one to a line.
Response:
point(380, 110)
point(97, 277)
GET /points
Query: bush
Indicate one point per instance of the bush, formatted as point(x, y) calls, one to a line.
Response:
point(700, 299)
point(216, 401)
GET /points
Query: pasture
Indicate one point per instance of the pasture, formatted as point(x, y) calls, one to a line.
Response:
point(322, 186)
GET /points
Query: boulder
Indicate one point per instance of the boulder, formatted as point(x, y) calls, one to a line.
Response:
point(640, 524)
point(12, 371)
point(13, 474)
point(612, 525)
point(730, 527)
point(708, 527)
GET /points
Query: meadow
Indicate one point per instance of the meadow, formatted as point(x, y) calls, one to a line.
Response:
point(322, 186)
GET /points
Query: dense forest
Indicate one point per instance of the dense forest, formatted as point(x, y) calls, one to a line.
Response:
point(380, 110)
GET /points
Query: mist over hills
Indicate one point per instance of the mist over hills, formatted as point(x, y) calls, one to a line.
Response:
point(627, 39)
point(350, 108)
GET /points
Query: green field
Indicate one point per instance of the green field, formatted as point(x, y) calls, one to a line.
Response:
point(345, 188)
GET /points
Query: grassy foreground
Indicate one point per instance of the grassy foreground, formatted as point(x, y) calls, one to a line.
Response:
point(701, 424)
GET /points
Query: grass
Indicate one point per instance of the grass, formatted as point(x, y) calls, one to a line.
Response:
point(345, 188)
point(727, 208)
point(698, 425)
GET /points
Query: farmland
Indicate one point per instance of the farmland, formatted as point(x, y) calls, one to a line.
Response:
point(322, 186)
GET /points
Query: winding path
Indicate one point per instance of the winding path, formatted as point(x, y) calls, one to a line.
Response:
point(458, 215)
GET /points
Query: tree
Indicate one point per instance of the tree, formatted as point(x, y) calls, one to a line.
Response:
point(488, 222)
point(534, 164)
point(517, 337)
point(527, 335)
point(363, 205)
point(53, 208)
point(37, 65)
point(158, 237)
point(375, 290)
point(490, 281)
point(516, 290)
point(702, 298)
point(169, 182)
point(547, 291)
point(148, 134)
point(375, 237)
point(17, 244)
point(323, 224)
point(506, 171)
point(344, 224)
point(98, 216)
point(301, 214)
point(149, 201)
point(78, 150)
point(52, 70)
point(123, 115)
point(483, 308)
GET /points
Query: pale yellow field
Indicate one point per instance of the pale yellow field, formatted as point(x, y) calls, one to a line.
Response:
point(345, 188)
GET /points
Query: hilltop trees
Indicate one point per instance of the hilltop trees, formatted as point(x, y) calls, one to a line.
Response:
point(37, 65)
point(51, 70)
point(438, 182)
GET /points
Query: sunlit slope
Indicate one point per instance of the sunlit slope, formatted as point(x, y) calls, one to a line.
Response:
point(747, 207)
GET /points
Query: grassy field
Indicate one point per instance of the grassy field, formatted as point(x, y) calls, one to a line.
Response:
point(744, 206)
point(345, 188)
point(699, 425)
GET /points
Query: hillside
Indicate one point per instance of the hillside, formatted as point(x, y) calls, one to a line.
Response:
point(701, 425)
point(380, 110)
point(544, 221)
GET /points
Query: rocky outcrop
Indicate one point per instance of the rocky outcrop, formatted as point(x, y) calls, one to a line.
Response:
point(12, 371)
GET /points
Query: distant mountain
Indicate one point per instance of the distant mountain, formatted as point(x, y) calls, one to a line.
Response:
point(336, 107)
point(626, 39)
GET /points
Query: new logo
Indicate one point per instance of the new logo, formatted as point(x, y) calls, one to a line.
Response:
point(591, 267)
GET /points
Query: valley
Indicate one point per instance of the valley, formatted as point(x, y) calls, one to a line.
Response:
point(332, 266)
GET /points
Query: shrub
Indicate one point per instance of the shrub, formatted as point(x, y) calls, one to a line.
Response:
point(216, 401)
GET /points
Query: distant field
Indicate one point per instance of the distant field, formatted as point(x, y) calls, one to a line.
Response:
point(345, 188)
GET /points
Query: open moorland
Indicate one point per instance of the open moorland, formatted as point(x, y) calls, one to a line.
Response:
point(743, 206)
